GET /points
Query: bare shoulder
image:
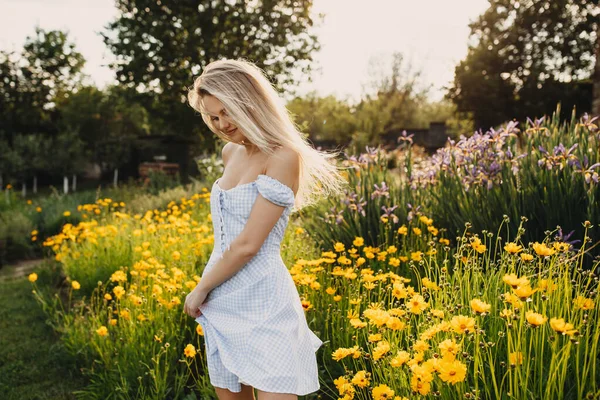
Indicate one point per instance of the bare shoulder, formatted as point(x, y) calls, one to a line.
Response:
point(227, 151)
point(284, 165)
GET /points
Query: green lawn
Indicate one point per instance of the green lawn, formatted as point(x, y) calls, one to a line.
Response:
point(33, 364)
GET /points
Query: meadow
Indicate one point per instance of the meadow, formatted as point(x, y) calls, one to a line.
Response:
point(469, 274)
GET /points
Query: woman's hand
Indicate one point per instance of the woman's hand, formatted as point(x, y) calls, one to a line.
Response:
point(193, 301)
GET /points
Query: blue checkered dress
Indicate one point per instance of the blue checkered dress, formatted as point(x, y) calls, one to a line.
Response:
point(255, 329)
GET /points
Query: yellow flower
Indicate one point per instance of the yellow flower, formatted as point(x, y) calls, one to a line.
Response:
point(400, 359)
point(358, 241)
point(506, 313)
point(392, 249)
point(394, 262)
point(190, 350)
point(102, 331)
point(403, 230)
point(534, 318)
point(119, 276)
point(382, 392)
point(542, 250)
point(561, 246)
point(452, 371)
point(67, 213)
point(38, 209)
point(514, 281)
point(429, 284)
point(420, 346)
point(417, 231)
point(118, 291)
point(515, 358)
point(513, 248)
point(477, 245)
point(526, 257)
point(374, 337)
point(34, 232)
point(480, 307)
point(433, 230)
point(417, 304)
point(462, 324)
point(299, 231)
point(559, 325)
point(547, 285)
point(32, 277)
point(176, 255)
point(361, 379)
point(395, 324)
point(449, 349)
point(425, 220)
point(437, 313)
point(444, 241)
point(524, 291)
point(9, 186)
point(112, 322)
point(416, 255)
point(583, 303)
point(75, 285)
point(339, 247)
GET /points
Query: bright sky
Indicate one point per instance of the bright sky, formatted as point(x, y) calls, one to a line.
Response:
point(432, 34)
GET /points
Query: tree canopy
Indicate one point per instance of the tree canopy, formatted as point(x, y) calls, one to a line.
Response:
point(527, 55)
point(162, 45)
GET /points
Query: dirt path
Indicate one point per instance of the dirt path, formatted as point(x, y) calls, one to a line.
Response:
point(20, 269)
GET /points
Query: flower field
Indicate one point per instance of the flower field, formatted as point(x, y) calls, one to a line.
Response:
point(444, 277)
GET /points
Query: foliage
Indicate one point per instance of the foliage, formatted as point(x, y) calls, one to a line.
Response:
point(35, 364)
point(29, 82)
point(324, 118)
point(534, 171)
point(107, 122)
point(477, 318)
point(15, 230)
point(160, 57)
point(527, 57)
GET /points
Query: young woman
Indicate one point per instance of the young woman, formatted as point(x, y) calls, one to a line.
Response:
point(255, 330)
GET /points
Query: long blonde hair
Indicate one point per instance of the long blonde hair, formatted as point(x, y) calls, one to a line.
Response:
point(255, 107)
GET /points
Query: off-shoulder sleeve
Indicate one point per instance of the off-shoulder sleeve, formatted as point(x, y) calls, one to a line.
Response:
point(275, 191)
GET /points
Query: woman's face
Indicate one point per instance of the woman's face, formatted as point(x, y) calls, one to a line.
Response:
point(221, 119)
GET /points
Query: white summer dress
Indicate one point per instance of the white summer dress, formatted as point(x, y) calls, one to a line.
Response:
point(255, 329)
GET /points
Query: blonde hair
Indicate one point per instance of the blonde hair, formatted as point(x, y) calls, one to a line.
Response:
point(255, 107)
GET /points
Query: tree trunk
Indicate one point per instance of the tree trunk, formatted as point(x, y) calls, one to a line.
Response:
point(24, 190)
point(116, 177)
point(35, 184)
point(596, 79)
point(65, 184)
point(74, 183)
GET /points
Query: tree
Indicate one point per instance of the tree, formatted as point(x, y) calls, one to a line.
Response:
point(29, 84)
point(107, 122)
point(391, 99)
point(161, 45)
point(324, 118)
point(527, 56)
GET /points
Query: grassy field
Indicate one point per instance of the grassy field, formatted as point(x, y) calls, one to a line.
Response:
point(33, 364)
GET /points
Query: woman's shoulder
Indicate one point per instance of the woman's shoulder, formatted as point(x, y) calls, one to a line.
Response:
point(284, 157)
